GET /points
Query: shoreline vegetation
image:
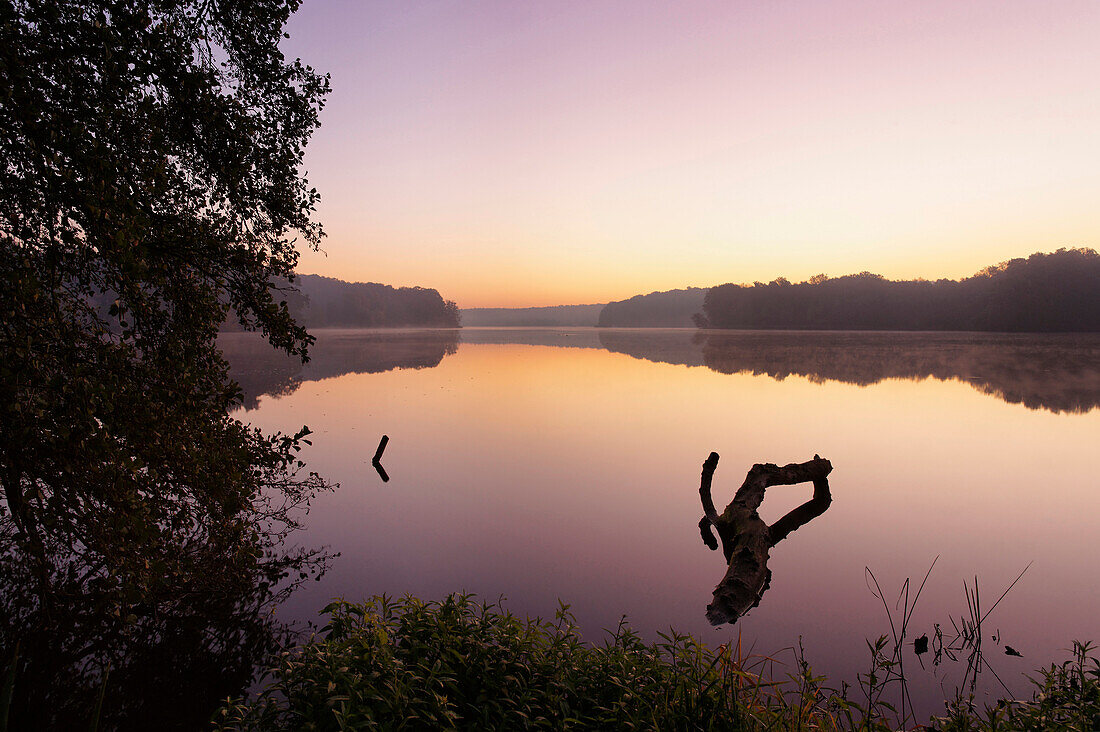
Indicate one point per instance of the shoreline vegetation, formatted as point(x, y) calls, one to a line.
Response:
point(1044, 293)
point(571, 316)
point(1057, 292)
point(460, 664)
point(325, 302)
point(671, 308)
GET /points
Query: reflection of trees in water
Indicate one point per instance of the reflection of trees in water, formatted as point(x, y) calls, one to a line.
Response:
point(141, 534)
point(161, 665)
point(1058, 372)
point(259, 370)
point(164, 646)
point(164, 651)
point(560, 337)
point(681, 346)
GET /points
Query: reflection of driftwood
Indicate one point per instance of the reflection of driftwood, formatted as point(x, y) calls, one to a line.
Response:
point(746, 539)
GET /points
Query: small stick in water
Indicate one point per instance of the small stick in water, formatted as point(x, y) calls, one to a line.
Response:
point(376, 461)
point(381, 448)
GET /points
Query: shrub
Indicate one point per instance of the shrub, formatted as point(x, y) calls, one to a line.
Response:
point(458, 664)
point(409, 664)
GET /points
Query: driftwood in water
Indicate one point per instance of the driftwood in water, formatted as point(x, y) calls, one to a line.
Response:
point(746, 539)
point(377, 460)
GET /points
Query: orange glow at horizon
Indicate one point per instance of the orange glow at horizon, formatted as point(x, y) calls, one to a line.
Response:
point(522, 154)
point(506, 287)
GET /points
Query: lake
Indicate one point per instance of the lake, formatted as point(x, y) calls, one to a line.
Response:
point(547, 464)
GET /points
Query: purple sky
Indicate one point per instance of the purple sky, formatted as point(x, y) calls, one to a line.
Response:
point(539, 153)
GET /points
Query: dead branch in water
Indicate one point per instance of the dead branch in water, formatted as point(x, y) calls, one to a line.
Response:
point(746, 539)
point(377, 460)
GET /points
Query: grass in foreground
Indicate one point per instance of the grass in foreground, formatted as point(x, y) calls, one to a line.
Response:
point(458, 664)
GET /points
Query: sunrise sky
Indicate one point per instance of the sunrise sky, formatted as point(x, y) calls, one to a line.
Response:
point(543, 153)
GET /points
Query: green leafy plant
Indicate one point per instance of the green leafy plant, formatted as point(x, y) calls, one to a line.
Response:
point(409, 664)
point(149, 186)
point(393, 664)
point(1066, 697)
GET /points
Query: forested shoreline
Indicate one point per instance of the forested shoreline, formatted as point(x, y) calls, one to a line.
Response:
point(326, 302)
point(534, 317)
point(1057, 292)
point(667, 309)
point(1045, 293)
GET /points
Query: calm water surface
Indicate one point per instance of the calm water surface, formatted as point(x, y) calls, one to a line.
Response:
point(539, 464)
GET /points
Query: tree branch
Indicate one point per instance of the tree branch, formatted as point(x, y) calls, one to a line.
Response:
point(746, 539)
point(709, 466)
point(805, 513)
point(710, 513)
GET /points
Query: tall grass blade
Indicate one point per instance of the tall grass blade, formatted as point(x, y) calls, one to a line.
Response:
point(99, 701)
point(1025, 569)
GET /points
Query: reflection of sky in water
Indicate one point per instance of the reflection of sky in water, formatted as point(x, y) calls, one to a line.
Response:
point(543, 472)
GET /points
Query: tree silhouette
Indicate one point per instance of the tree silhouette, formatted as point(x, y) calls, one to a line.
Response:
point(1056, 292)
point(149, 158)
point(323, 302)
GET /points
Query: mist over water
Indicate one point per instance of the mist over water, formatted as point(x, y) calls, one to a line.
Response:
point(541, 464)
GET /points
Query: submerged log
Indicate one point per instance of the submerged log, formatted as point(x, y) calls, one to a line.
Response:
point(746, 539)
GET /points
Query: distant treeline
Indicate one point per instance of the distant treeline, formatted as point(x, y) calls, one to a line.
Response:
point(325, 302)
point(669, 309)
point(555, 315)
point(1057, 292)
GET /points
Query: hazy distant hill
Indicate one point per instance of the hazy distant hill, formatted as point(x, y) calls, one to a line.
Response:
point(1058, 292)
point(568, 315)
point(669, 309)
point(326, 302)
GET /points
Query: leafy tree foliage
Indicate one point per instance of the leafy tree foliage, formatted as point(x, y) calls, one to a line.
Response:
point(458, 664)
point(1057, 292)
point(149, 158)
